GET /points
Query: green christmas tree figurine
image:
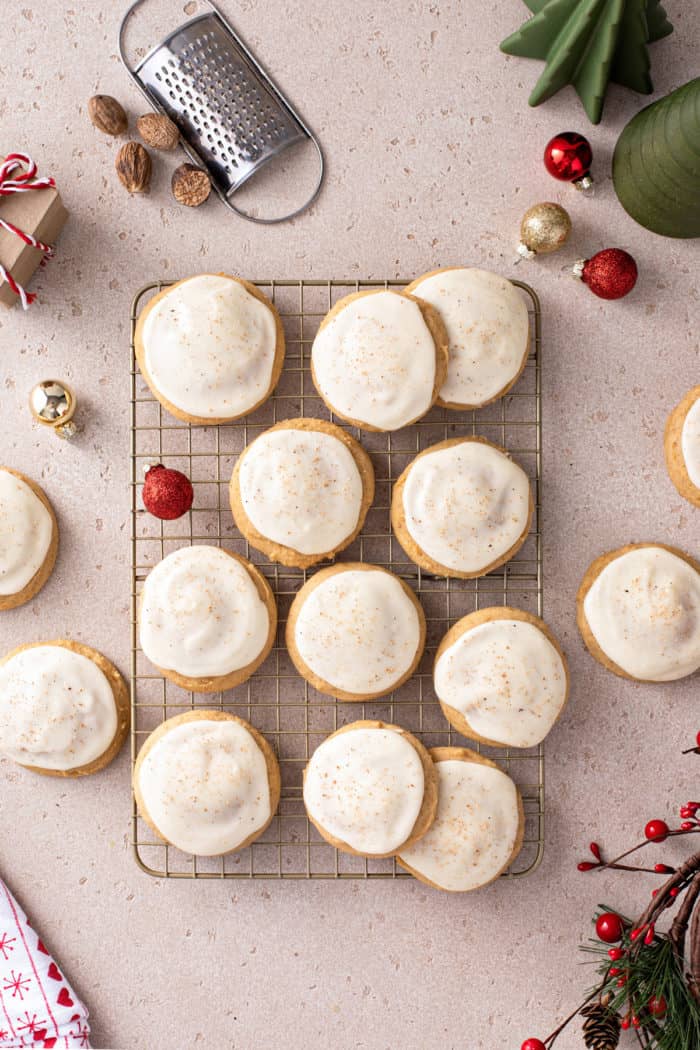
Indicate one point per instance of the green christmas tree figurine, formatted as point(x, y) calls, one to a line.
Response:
point(656, 165)
point(588, 43)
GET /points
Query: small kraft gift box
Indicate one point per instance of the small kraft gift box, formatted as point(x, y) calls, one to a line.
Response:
point(32, 215)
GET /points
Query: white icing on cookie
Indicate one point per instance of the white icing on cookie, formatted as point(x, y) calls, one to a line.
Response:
point(475, 830)
point(375, 361)
point(57, 708)
point(209, 347)
point(301, 488)
point(358, 630)
point(201, 614)
point(466, 505)
point(26, 529)
point(365, 787)
point(643, 610)
point(205, 786)
point(488, 328)
point(506, 678)
point(690, 442)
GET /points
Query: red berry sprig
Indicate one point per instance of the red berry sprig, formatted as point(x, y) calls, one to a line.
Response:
point(533, 1044)
point(609, 927)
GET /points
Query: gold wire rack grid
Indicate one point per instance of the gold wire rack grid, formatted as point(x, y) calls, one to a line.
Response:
point(282, 705)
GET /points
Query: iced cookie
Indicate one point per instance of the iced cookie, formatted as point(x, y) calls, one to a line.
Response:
point(370, 789)
point(207, 618)
point(355, 631)
point(211, 348)
point(501, 677)
point(638, 610)
point(479, 827)
point(28, 538)
point(64, 708)
point(207, 782)
point(462, 508)
point(379, 359)
point(682, 446)
point(300, 492)
point(488, 330)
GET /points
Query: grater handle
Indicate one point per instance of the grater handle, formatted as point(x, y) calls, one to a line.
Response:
point(190, 153)
point(302, 207)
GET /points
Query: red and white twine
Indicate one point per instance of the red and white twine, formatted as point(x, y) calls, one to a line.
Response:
point(25, 181)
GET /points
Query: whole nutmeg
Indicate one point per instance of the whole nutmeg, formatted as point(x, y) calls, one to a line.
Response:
point(107, 114)
point(190, 185)
point(158, 131)
point(133, 166)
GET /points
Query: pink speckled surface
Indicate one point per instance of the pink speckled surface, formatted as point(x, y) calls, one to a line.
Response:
point(433, 156)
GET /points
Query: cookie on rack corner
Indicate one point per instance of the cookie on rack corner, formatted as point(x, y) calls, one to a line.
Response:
point(371, 789)
point(682, 446)
point(207, 782)
point(207, 618)
point(488, 328)
point(479, 827)
point(211, 348)
point(64, 708)
point(638, 611)
point(355, 631)
point(501, 677)
point(379, 359)
point(462, 508)
point(300, 491)
point(28, 538)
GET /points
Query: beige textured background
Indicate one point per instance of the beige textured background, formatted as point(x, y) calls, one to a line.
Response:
point(433, 156)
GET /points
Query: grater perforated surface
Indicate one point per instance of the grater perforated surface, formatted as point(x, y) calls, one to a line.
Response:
point(225, 110)
point(292, 715)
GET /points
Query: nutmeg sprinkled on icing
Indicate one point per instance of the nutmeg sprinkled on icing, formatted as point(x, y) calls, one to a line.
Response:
point(643, 610)
point(358, 630)
point(374, 362)
point(205, 786)
point(201, 614)
point(26, 529)
point(209, 347)
point(301, 488)
point(507, 680)
point(57, 708)
point(365, 787)
point(690, 442)
point(466, 504)
point(475, 830)
point(488, 329)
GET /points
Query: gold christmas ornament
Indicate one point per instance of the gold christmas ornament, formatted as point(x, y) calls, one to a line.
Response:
point(53, 404)
point(544, 228)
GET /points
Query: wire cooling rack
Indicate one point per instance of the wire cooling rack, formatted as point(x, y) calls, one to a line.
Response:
point(292, 715)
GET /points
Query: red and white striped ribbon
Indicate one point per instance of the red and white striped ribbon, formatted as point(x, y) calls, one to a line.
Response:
point(21, 183)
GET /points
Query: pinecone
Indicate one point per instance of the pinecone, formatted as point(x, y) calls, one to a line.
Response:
point(601, 1029)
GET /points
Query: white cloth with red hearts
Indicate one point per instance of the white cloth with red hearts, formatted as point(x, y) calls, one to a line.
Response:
point(38, 1007)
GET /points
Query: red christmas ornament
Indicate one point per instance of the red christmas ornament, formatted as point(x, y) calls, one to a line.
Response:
point(167, 494)
point(657, 1006)
point(533, 1044)
point(609, 927)
point(568, 157)
point(610, 274)
point(656, 830)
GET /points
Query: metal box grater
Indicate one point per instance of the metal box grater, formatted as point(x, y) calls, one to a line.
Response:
point(232, 119)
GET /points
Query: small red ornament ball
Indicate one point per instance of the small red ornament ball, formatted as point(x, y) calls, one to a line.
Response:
point(167, 493)
point(657, 1006)
point(609, 927)
point(610, 274)
point(533, 1044)
point(568, 156)
point(656, 830)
